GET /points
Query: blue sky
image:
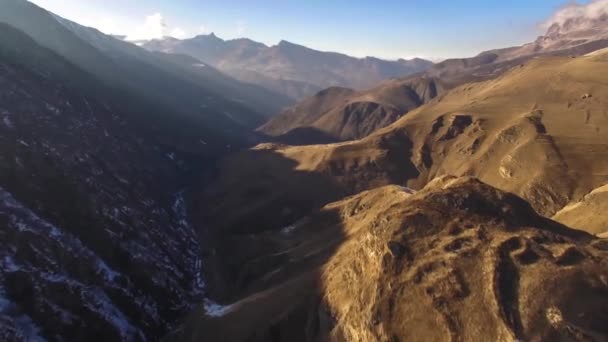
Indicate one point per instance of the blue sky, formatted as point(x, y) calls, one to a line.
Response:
point(383, 28)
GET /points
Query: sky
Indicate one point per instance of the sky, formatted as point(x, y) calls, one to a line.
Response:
point(390, 29)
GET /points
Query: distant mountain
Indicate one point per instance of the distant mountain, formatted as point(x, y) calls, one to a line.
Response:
point(219, 108)
point(344, 114)
point(548, 146)
point(330, 115)
point(576, 36)
point(291, 69)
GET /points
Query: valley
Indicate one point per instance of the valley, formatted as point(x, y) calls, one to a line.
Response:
point(202, 189)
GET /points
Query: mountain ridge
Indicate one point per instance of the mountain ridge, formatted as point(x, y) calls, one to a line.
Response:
point(448, 74)
point(189, 92)
point(288, 62)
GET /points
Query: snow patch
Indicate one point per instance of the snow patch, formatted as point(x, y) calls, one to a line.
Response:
point(24, 324)
point(97, 301)
point(107, 271)
point(9, 264)
point(199, 65)
point(94, 298)
point(214, 309)
point(292, 227)
point(7, 122)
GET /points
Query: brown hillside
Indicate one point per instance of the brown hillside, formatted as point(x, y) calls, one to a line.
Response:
point(364, 112)
point(389, 265)
point(343, 114)
point(589, 214)
point(538, 131)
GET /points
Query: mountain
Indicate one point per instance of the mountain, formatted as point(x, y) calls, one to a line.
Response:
point(576, 36)
point(311, 121)
point(588, 214)
point(93, 246)
point(100, 141)
point(462, 203)
point(344, 114)
point(195, 91)
point(390, 265)
point(547, 147)
point(287, 68)
point(415, 253)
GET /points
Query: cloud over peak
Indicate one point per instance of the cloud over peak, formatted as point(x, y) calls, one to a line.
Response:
point(155, 27)
point(578, 15)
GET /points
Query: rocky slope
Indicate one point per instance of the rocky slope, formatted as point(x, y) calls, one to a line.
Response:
point(192, 90)
point(117, 222)
point(458, 261)
point(588, 214)
point(344, 114)
point(537, 131)
point(92, 246)
point(288, 68)
point(386, 265)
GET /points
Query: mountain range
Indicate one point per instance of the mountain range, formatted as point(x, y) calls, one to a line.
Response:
point(287, 68)
point(155, 192)
point(166, 84)
point(340, 231)
point(325, 117)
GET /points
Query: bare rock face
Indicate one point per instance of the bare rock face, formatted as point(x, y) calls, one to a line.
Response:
point(457, 261)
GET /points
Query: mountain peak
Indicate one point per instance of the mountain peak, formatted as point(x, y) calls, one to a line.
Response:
point(285, 43)
point(211, 36)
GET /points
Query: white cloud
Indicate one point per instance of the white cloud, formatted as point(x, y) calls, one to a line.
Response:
point(154, 27)
point(241, 27)
point(593, 10)
point(203, 29)
point(178, 33)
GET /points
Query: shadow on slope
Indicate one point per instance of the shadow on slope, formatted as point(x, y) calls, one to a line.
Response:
point(265, 241)
point(303, 136)
point(454, 261)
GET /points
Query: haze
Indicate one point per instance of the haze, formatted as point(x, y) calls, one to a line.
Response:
point(388, 29)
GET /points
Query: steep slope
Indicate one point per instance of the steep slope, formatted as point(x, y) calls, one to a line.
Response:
point(92, 246)
point(537, 131)
point(207, 98)
point(588, 214)
point(258, 98)
point(389, 265)
point(288, 68)
point(343, 114)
